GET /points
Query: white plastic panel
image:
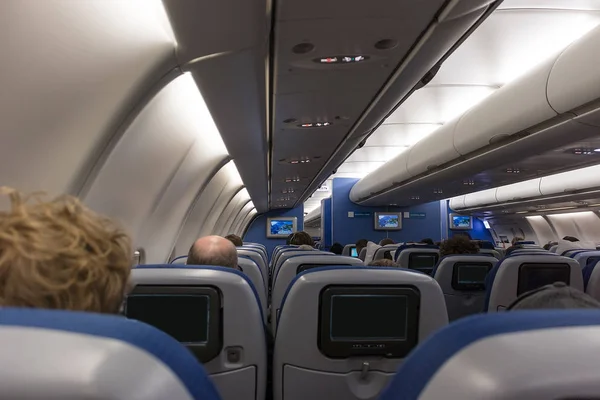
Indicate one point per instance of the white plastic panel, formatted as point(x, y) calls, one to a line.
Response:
point(149, 155)
point(580, 179)
point(393, 171)
point(479, 198)
point(583, 225)
point(247, 221)
point(457, 203)
point(575, 78)
point(434, 150)
point(542, 229)
point(224, 223)
point(511, 109)
point(209, 225)
point(69, 71)
point(518, 191)
point(239, 219)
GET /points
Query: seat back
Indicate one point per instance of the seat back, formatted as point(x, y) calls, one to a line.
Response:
point(363, 254)
point(522, 355)
point(258, 247)
point(591, 278)
point(180, 260)
point(213, 310)
point(345, 330)
point(421, 258)
point(462, 279)
point(289, 254)
point(553, 248)
point(518, 274)
point(385, 252)
point(492, 253)
point(527, 251)
point(292, 267)
point(257, 257)
point(583, 257)
point(51, 354)
point(349, 250)
point(253, 272)
point(277, 254)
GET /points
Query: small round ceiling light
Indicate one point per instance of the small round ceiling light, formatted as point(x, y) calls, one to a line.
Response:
point(303, 48)
point(315, 125)
point(386, 44)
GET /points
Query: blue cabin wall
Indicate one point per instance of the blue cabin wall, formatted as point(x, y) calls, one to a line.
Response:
point(257, 232)
point(478, 232)
point(326, 227)
point(348, 230)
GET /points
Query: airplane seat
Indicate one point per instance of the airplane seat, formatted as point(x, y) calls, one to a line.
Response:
point(385, 252)
point(258, 247)
point(344, 331)
point(591, 277)
point(292, 253)
point(419, 257)
point(462, 279)
point(521, 273)
point(573, 252)
point(526, 242)
point(215, 311)
point(56, 354)
point(527, 251)
point(553, 248)
point(513, 355)
point(363, 254)
point(258, 259)
point(294, 266)
point(583, 256)
point(347, 252)
point(485, 244)
point(181, 260)
point(254, 273)
point(279, 250)
point(490, 253)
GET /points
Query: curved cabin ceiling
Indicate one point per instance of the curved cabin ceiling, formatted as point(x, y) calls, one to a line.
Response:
point(517, 37)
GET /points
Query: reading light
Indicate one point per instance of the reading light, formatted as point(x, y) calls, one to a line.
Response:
point(340, 59)
point(438, 191)
point(286, 191)
point(315, 125)
point(469, 182)
point(513, 170)
point(288, 180)
point(414, 197)
point(521, 212)
point(584, 152)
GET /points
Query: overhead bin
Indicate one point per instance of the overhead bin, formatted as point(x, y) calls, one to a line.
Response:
point(538, 112)
point(576, 181)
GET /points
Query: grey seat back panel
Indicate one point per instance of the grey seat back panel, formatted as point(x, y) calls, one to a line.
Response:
point(289, 254)
point(298, 358)
point(73, 366)
point(582, 257)
point(363, 254)
point(493, 253)
point(404, 257)
point(257, 258)
point(460, 303)
point(505, 285)
point(593, 285)
point(380, 253)
point(253, 272)
point(243, 327)
point(288, 271)
point(347, 249)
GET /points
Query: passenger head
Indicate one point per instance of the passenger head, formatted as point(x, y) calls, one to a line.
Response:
point(427, 241)
point(305, 247)
point(288, 240)
point(361, 244)
point(385, 242)
point(516, 239)
point(213, 250)
point(571, 239)
point(300, 238)
point(235, 239)
point(61, 255)
point(336, 248)
point(555, 296)
point(382, 262)
point(458, 245)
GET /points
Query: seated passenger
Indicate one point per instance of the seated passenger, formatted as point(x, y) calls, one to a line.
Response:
point(555, 296)
point(213, 250)
point(59, 254)
point(337, 248)
point(305, 247)
point(386, 241)
point(458, 245)
point(513, 243)
point(288, 240)
point(549, 245)
point(361, 244)
point(300, 238)
point(235, 239)
point(427, 241)
point(382, 262)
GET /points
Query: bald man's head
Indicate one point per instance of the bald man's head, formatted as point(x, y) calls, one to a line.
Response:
point(213, 250)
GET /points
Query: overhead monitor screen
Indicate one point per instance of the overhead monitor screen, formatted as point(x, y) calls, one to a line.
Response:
point(185, 317)
point(369, 321)
point(470, 276)
point(353, 252)
point(424, 262)
point(280, 227)
point(461, 221)
point(191, 315)
point(387, 221)
point(533, 276)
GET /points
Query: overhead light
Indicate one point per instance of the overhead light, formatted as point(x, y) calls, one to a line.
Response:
point(414, 197)
point(438, 191)
point(597, 150)
point(286, 191)
point(288, 180)
point(521, 212)
point(469, 182)
point(513, 170)
point(486, 224)
point(345, 59)
point(315, 124)
point(584, 152)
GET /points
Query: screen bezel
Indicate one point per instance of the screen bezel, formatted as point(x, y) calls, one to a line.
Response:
point(273, 236)
point(308, 266)
point(523, 267)
point(376, 221)
point(203, 352)
point(385, 348)
point(454, 227)
point(414, 254)
point(468, 287)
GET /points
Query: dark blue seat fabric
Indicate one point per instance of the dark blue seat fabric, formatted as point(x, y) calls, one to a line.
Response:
point(486, 244)
point(162, 346)
point(426, 360)
point(589, 268)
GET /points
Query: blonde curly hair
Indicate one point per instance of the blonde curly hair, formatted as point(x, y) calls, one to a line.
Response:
point(59, 254)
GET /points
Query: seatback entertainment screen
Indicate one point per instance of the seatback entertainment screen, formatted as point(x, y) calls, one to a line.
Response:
point(534, 275)
point(470, 276)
